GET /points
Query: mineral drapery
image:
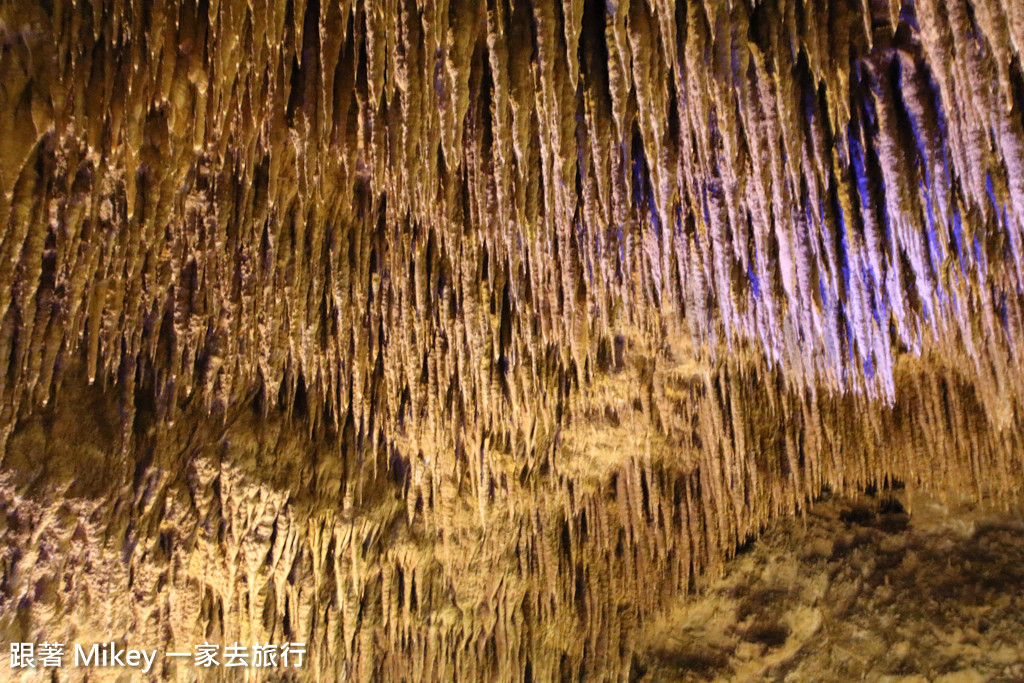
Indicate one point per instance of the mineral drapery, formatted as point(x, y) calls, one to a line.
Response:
point(453, 338)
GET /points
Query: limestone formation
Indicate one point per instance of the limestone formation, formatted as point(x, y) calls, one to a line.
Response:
point(453, 338)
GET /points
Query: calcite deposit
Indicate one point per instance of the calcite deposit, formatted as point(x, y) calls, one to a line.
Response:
point(455, 338)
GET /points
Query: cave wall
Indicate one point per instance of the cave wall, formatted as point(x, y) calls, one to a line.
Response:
point(455, 338)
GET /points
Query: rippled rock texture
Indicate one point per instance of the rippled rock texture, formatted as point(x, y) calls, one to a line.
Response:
point(456, 338)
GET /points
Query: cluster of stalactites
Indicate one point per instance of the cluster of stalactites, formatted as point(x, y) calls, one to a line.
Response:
point(251, 531)
point(417, 214)
point(474, 237)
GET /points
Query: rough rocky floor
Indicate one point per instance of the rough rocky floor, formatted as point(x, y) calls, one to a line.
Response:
point(858, 590)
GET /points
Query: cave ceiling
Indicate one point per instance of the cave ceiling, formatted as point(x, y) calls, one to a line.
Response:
point(455, 338)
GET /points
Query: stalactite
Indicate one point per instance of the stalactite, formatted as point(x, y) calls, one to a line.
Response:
point(454, 338)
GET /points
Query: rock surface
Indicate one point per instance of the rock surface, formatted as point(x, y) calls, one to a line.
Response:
point(857, 590)
point(455, 339)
